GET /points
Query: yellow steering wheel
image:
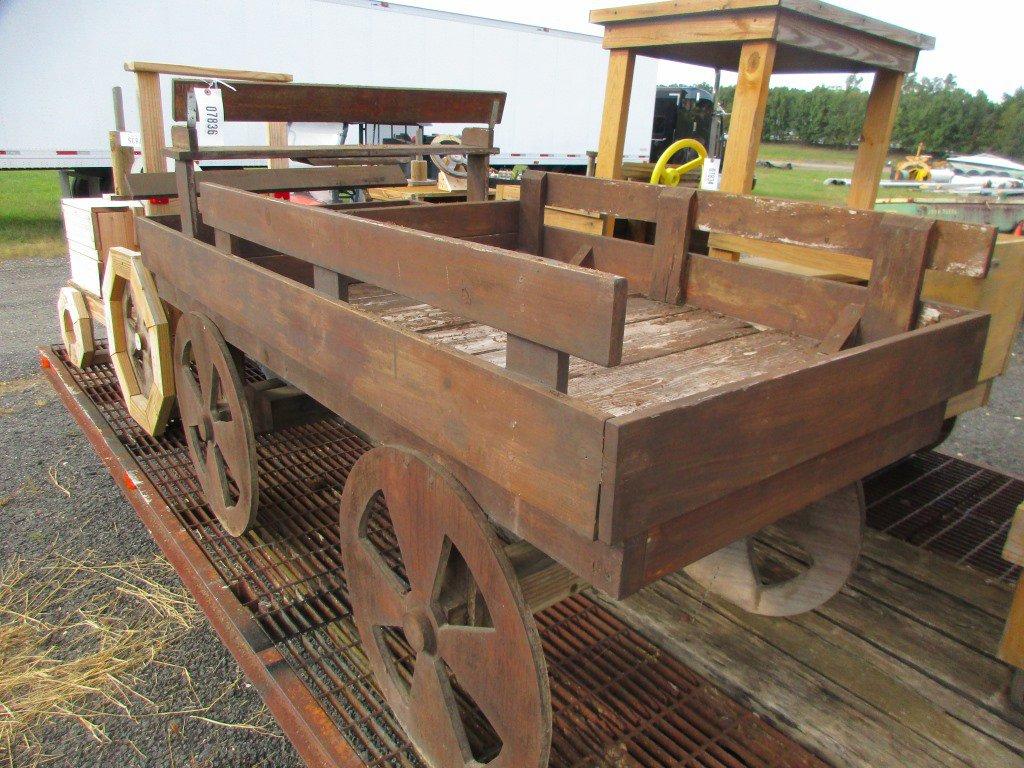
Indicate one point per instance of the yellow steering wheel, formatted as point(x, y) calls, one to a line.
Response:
point(671, 177)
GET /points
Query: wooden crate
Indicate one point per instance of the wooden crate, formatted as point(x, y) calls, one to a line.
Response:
point(93, 226)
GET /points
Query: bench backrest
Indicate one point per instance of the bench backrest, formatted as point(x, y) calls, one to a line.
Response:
point(559, 308)
point(898, 248)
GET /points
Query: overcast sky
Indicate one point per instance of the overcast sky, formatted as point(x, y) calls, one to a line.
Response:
point(981, 42)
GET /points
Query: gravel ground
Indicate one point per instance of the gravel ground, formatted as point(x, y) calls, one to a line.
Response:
point(96, 523)
point(37, 434)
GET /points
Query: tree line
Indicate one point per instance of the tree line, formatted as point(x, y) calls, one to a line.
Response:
point(936, 111)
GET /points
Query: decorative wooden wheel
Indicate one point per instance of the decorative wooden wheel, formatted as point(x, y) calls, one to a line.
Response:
point(216, 421)
point(829, 532)
point(441, 616)
point(75, 326)
point(453, 165)
point(140, 339)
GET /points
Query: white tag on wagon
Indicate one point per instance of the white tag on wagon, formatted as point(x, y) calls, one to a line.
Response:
point(711, 174)
point(209, 116)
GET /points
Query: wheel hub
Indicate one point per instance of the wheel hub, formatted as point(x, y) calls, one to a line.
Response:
point(420, 632)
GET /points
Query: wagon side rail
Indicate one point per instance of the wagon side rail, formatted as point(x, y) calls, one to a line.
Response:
point(550, 310)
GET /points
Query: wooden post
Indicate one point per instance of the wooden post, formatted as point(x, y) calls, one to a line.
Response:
point(121, 159)
point(875, 138)
point(618, 88)
point(477, 183)
point(757, 60)
point(277, 136)
point(151, 122)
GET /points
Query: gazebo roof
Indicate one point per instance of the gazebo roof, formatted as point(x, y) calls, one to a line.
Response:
point(811, 36)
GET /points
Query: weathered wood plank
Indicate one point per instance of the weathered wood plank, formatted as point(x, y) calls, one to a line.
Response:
point(461, 220)
point(532, 197)
point(897, 273)
point(142, 185)
point(676, 210)
point(574, 310)
point(307, 103)
point(689, 452)
point(538, 445)
point(609, 255)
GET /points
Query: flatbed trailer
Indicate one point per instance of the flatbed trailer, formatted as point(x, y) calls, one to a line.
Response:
point(830, 688)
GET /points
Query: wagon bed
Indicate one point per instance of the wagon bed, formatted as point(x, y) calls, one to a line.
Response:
point(659, 403)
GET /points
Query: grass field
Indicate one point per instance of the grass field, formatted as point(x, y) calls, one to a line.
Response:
point(30, 214)
point(30, 200)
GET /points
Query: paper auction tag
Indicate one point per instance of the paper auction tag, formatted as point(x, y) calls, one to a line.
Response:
point(711, 174)
point(209, 116)
point(131, 139)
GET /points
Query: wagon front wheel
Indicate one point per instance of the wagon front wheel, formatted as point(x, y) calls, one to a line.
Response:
point(442, 619)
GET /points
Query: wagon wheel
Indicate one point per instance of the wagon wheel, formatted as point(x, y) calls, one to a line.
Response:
point(75, 326)
point(829, 531)
point(453, 165)
point(216, 421)
point(441, 616)
point(140, 339)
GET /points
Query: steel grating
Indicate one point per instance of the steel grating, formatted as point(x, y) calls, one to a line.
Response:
point(618, 699)
point(949, 506)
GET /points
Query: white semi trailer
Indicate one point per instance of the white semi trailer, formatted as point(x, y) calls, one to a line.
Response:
point(60, 60)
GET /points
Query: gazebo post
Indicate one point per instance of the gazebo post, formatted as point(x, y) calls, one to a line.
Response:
point(612, 141)
point(875, 139)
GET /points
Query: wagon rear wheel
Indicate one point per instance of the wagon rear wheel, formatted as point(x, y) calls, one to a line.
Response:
point(75, 326)
point(829, 532)
point(441, 616)
point(216, 421)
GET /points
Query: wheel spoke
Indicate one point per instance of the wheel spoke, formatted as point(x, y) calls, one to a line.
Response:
point(438, 725)
point(479, 660)
point(419, 539)
point(230, 438)
point(216, 477)
point(388, 606)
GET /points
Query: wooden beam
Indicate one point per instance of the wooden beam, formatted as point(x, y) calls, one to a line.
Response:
point(317, 151)
point(478, 165)
point(211, 72)
point(1011, 648)
point(897, 272)
point(277, 136)
point(541, 364)
point(676, 217)
point(875, 139)
point(151, 121)
point(532, 199)
point(747, 122)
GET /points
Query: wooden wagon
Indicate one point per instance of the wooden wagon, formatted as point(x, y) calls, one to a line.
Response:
point(551, 408)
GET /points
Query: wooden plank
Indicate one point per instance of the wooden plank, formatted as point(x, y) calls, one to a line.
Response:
point(624, 258)
point(612, 140)
point(321, 151)
point(858, 22)
point(538, 445)
point(277, 136)
point(625, 199)
point(858, 49)
point(844, 332)
point(744, 290)
point(316, 103)
point(574, 310)
point(894, 290)
point(532, 199)
point(684, 539)
point(1013, 549)
point(875, 139)
point(477, 164)
point(462, 220)
point(151, 121)
point(676, 212)
point(741, 26)
point(206, 72)
point(673, 8)
point(662, 471)
point(142, 185)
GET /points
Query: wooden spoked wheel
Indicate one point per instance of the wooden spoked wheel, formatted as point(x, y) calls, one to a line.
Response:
point(139, 336)
point(441, 616)
point(453, 165)
point(829, 532)
point(216, 420)
point(75, 326)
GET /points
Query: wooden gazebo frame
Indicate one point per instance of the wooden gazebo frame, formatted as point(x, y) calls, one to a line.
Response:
point(757, 38)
